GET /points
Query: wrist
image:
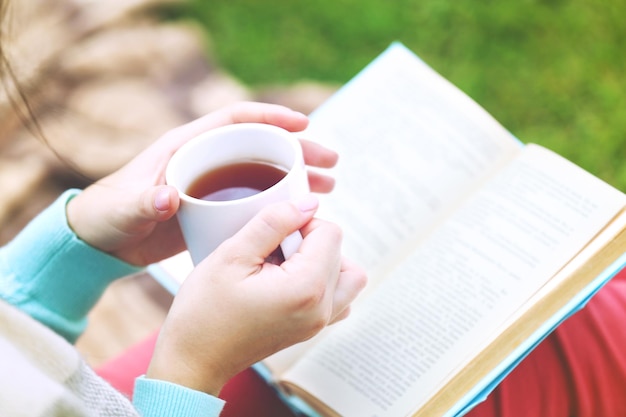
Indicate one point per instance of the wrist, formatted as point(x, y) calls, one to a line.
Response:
point(180, 370)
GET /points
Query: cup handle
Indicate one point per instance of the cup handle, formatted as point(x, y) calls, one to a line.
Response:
point(291, 244)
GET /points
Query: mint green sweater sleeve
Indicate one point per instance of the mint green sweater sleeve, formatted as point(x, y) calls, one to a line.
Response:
point(154, 398)
point(49, 273)
point(55, 277)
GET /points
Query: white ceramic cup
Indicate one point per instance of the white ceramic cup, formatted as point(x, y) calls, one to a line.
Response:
point(206, 224)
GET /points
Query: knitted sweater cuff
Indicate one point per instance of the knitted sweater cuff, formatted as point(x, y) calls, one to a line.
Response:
point(152, 397)
point(51, 274)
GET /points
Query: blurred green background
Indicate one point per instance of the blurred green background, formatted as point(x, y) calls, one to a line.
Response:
point(553, 71)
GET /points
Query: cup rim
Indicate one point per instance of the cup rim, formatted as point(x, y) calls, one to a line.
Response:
point(190, 144)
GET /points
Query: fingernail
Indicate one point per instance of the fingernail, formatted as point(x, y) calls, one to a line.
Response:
point(162, 200)
point(307, 203)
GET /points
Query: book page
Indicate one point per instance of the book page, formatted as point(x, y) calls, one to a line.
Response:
point(565, 294)
point(411, 147)
point(447, 299)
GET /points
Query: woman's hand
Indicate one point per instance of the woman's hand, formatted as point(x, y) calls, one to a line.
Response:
point(130, 213)
point(235, 309)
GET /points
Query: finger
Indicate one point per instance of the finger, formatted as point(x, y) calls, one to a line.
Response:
point(264, 233)
point(317, 155)
point(140, 213)
point(352, 280)
point(320, 253)
point(157, 156)
point(341, 316)
point(244, 112)
point(164, 202)
point(273, 114)
point(320, 183)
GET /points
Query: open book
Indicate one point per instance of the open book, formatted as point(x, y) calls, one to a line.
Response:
point(476, 246)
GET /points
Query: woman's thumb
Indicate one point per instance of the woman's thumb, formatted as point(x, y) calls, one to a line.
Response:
point(160, 203)
point(264, 233)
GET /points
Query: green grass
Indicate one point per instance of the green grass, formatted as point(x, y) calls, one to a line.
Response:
point(552, 71)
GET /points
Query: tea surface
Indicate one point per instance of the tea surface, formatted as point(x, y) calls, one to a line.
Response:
point(235, 181)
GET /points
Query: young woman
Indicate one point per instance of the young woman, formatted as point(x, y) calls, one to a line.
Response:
point(233, 310)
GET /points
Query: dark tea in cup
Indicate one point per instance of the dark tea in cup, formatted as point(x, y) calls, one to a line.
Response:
point(235, 181)
point(240, 169)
